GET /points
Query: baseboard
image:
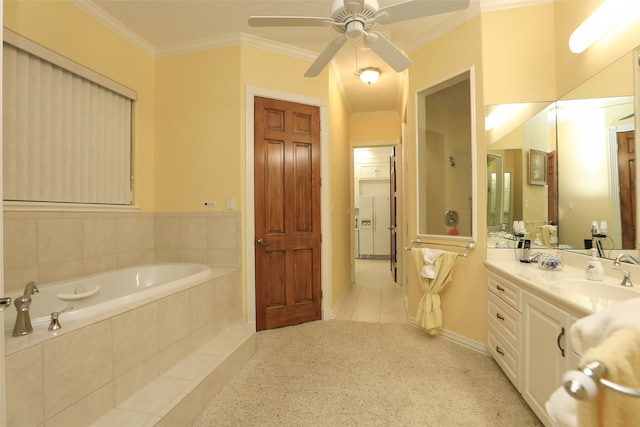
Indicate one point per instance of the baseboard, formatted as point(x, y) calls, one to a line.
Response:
point(456, 338)
point(329, 314)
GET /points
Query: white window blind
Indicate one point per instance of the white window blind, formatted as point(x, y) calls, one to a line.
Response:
point(66, 138)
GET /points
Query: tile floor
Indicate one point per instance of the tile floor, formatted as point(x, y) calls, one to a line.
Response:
point(374, 297)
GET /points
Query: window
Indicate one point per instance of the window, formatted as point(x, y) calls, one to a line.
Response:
point(66, 129)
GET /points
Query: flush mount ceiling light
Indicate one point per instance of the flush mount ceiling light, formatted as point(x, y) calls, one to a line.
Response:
point(601, 21)
point(369, 75)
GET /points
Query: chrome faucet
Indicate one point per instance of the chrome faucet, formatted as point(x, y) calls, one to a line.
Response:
point(23, 303)
point(626, 279)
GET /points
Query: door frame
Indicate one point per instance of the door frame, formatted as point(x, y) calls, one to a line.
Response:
point(325, 208)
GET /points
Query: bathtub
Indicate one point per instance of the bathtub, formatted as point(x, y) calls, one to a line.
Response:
point(95, 296)
point(127, 329)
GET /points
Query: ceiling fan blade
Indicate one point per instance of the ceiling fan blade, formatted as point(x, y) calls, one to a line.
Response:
point(387, 51)
point(325, 56)
point(418, 9)
point(288, 21)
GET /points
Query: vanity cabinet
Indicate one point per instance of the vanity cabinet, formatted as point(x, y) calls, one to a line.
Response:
point(503, 325)
point(546, 355)
point(528, 338)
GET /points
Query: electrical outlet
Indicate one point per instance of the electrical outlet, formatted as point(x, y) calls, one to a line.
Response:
point(210, 203)
point(230, 203)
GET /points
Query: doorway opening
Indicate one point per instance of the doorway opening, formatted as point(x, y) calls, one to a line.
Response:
point(374, 196)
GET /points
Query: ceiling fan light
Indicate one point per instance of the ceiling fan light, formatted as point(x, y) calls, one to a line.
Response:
point(369, 75)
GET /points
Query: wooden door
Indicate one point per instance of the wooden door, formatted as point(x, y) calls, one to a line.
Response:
point(287, 213)
point(627, 180)
point(393, 215)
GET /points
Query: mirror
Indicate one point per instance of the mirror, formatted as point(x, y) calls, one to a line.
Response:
point(522, 138)
point(590, 122)
point(445, 154)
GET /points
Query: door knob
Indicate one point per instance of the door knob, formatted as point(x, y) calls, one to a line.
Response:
point(4, 303)
point(261, 242)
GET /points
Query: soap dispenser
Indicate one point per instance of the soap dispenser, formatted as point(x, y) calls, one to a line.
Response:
point(594, 269)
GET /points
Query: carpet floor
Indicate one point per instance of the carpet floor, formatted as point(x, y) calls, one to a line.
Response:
point(340, 373)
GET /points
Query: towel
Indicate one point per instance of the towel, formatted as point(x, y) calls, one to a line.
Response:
point(429, 256)
point(592, 330)
point(620, 353)
point(562, 409)
point(429, 313)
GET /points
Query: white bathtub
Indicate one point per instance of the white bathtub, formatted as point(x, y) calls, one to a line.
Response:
point(97, 295)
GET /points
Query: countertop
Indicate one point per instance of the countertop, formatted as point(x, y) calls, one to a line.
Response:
point(544, 283)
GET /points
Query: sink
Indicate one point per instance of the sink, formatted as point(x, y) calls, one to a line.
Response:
point(597, 295)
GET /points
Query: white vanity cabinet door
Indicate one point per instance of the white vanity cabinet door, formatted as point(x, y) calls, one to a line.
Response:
point(545, 353)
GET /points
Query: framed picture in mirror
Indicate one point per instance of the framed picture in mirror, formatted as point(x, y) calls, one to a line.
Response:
point(537, 167)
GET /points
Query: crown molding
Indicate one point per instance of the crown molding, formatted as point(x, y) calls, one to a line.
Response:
point(116, 26)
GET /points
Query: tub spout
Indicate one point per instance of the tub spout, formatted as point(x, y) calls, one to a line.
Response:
point(23, 304)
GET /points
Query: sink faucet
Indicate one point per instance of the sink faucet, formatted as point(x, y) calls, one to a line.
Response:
point(23, 303)
point(626, 280)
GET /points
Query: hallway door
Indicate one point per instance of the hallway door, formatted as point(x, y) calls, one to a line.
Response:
point(287, 213)
point(393, 220)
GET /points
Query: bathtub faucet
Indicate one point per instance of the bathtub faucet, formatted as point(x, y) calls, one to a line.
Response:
point(23, 303)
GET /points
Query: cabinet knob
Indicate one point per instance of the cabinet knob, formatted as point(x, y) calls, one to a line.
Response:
point(499, 350)
point(500, 316)
point(500, 288)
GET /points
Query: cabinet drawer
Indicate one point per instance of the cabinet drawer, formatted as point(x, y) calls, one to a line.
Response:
point(505, 290)
point(505, 355)
point(504, 318)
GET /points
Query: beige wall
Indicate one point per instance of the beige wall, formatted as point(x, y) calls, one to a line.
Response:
point(463, 301)
point(372, 129)
point(518, 55)
point(339, 179)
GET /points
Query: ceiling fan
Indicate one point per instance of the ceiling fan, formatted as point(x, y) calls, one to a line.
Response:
point(354, 18)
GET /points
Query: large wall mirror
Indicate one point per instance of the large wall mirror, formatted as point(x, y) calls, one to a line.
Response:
point(586, 142)
point(445, 159)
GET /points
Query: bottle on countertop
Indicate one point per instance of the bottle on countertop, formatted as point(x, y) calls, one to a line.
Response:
point(594, 269)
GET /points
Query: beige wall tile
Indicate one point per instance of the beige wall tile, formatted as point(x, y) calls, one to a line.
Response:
point(222, 232)
point(15, 279)
point(62, 270)
point(76, 365)
point(99, 264)
point(174, 318)
point(135, 337)
point(198, 256)
point(135, 379)
point(86, 410)
point(99, 237)
point(25, 387)
point(173, 353)
point(193, 232)
point(20, 243)
point(59, 240)
point(167, 231)
point(185, 412)
point(202, 304)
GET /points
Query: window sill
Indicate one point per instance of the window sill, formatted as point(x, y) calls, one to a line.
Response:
point(10, 206)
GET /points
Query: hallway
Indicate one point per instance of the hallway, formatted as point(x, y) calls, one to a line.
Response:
point(374, 297)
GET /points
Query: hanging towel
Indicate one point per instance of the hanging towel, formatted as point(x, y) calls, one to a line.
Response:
point(429, 256)
point(562, 409)
point(620, 353)
point(429, 314)
point(592, 330)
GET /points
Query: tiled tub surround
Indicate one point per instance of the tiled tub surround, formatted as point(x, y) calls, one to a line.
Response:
point(157, 362)
point(51, 246)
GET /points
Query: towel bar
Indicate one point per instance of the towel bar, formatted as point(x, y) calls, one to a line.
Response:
point(582, 383)
point(469, 246)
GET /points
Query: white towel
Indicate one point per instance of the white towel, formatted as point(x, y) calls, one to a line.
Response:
point(561, 409)
point(429, 256)
point(592, 330)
